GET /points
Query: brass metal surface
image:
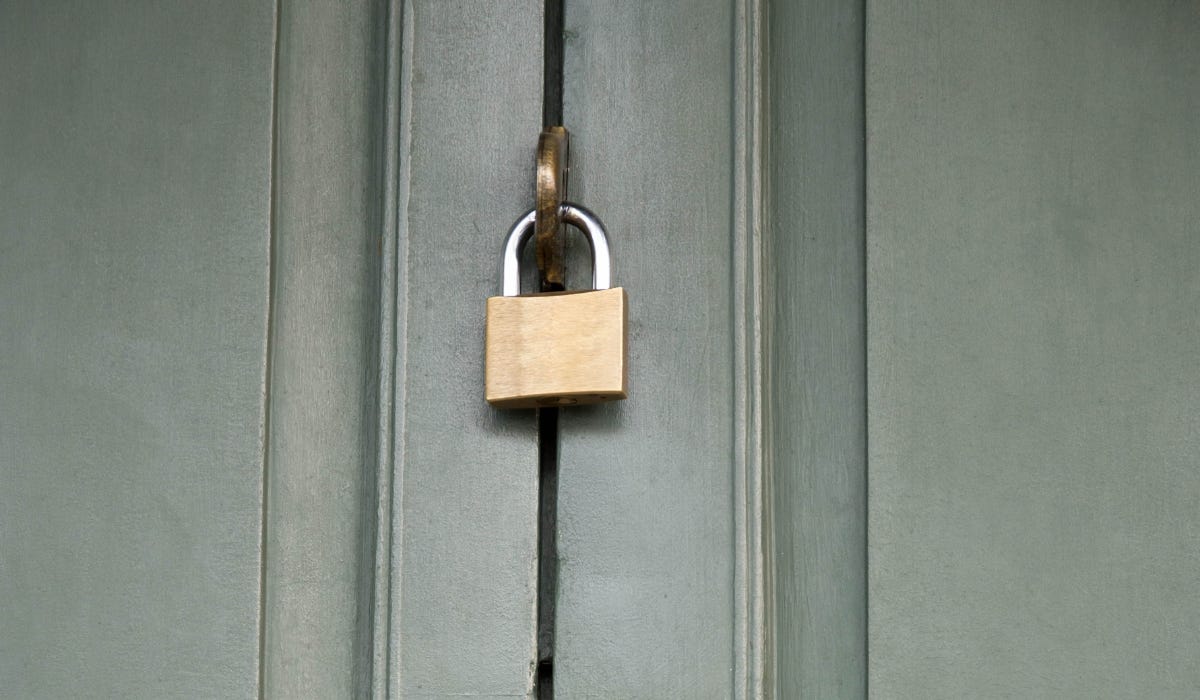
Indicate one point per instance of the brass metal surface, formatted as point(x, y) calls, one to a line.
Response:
point(558, 349)
point(552, 164)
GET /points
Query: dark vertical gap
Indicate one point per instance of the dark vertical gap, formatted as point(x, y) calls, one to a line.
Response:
point(552, 63)
point(547, 587)
point(547, 418)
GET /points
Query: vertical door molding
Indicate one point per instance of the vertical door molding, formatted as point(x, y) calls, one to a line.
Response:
point(814, 348)
point(401, 509)
point(719, 513)
point(320, 503)
point(647, 517)
point(753, 646)
point(395, 139)
point(462, 500)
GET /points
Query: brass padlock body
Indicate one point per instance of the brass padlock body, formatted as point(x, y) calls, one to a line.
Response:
point(558, 349)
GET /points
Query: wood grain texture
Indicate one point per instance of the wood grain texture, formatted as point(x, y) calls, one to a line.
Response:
point(646, 516)
point(321, 506)
point(816, 343)
point(558, 349)
point(1034, 276)
point(753, 645)
point(463, 494)
point(134, 216)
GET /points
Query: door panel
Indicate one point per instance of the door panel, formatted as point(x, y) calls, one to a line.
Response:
point(815, 383)
point(243, 258)
point(463, 492)
point(1033, 281)
point(328, 229)
point(646, 510)
point(180, 291)
point(712, 526)
point(135, 146)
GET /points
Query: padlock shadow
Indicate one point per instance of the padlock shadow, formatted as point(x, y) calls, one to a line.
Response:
point(509, 421)
point(595, 419)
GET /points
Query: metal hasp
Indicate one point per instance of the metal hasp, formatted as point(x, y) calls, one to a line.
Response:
point(551, 194)
point(556, 348)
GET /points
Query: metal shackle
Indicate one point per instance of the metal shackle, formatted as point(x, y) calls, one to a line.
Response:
point(573, 214)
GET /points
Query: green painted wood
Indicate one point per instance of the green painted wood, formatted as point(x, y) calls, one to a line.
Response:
point(324, 368)
point(816, 344)
point(1032, 263)
point(134, 215)
point(463, 488)
point(647, 520)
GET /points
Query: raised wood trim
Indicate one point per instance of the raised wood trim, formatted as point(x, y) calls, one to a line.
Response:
point(753, 647)
point(813, 348)
point(396, 138)
point(322, 445)
point(400, 525)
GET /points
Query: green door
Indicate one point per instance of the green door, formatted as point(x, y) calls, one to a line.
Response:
point(241, 454)
point(134, 254)
point(913, 366)
point(1033, 282)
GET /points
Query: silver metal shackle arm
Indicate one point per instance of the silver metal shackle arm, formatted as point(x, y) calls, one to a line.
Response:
point(573, 214)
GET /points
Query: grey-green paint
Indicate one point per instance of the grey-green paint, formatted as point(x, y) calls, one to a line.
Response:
point(401, 516)
point(135, 144)
point(1033, 286)
point(463, 515)
point(322, 423)
point(646, 605)
point(1031, 339)
point(738, 223)
point(148, 223)
point(815, 346)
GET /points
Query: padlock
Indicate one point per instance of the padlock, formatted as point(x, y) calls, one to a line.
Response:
point(556, 348)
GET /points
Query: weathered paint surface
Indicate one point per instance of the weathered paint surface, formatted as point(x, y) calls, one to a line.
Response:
point(657, 584)
point(1031, 340)
point(816, 344)
point(646, 515)
point(321, 463)
point(134, 236)
point(140, 397)
point(464, 500)
point(1034, 349)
